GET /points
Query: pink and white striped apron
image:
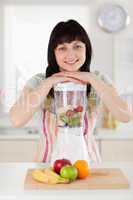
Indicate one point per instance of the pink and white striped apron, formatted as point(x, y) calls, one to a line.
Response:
point(88, 136)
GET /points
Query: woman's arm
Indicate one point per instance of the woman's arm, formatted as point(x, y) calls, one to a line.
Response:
point(28, 103)
point(108, 94)
point(31, 99)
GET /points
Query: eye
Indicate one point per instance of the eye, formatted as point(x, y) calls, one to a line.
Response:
point(78, 46)
point(61, 48)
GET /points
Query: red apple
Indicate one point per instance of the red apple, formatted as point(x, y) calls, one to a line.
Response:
point(58, 164)
point(79, 109)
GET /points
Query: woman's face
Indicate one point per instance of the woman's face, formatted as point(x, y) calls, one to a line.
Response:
point(70, 56)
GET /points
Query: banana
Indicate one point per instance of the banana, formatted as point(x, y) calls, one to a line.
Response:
point(39, 175)
point(54, 177)
point(48, 176)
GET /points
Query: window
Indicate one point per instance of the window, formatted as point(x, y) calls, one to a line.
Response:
point(26, 35)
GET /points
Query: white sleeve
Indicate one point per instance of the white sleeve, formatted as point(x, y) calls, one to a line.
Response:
point(35, 81)
point(94, 98)
point(104, 77)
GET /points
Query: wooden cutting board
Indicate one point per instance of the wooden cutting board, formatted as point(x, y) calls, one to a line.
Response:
point(99, 179)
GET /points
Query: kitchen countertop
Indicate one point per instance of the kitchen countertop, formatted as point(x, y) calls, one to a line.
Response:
point(12, 179)
point(26, 133)
point(19, 136)
point(118, 134)
point(8, 133)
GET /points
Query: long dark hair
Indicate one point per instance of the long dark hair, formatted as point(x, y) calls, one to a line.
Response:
point(67, 32)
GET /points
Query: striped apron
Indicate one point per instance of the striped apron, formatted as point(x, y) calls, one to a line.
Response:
point(50, 132)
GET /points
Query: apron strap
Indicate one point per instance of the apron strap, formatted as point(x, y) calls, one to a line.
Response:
point(86, 123)
point(46, 137)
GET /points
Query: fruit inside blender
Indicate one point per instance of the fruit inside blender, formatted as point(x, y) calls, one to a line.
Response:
point(70, 116)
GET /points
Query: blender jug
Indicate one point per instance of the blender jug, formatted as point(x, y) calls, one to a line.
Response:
point(70, 105)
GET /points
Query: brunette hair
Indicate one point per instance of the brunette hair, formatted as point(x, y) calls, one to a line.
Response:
point(67, 32)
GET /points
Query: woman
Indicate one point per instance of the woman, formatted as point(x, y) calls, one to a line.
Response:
point(69, 58)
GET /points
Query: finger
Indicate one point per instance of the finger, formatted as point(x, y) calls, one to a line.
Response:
point(57, 75)
point(76, 76)
point(68, 73)
point(75, 80)
point(65, 76)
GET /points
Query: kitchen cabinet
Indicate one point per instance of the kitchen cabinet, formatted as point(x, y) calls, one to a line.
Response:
point(115, 145)
point(17, 150)
point(20, 150)
point(116, 150)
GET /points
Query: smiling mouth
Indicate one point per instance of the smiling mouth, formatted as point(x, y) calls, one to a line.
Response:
point(71, 63)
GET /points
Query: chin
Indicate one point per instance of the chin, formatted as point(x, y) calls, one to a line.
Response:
point(70, 69)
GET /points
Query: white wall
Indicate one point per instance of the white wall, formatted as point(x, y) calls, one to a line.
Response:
point(85, 12)
point(103, 43)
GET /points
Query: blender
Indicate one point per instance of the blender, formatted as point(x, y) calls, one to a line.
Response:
point(70, 106)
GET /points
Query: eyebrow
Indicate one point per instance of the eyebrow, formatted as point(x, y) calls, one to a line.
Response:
point(75, 42)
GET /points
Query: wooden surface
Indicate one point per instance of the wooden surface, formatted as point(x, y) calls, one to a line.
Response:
point(99, 179)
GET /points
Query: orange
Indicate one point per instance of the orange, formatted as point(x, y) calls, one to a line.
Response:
point(83, 168)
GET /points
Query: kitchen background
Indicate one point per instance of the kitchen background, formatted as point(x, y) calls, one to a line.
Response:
point(25, 26)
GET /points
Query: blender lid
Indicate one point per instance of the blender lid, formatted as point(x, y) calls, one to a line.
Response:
point(70, 86)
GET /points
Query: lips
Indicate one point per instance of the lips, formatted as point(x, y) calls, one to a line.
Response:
point(71, 62)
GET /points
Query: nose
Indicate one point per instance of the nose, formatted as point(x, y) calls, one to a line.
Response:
point(70, 55)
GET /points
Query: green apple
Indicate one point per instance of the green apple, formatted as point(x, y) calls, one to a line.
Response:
point(74, 122)
point(70, 172)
